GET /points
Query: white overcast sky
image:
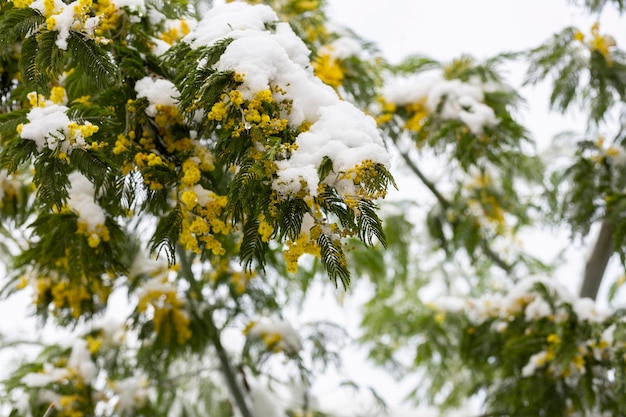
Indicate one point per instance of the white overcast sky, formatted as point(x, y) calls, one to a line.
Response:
point(445, 29)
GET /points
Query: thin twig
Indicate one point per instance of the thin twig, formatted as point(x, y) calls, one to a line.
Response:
point(445, 204)
point(48, 412)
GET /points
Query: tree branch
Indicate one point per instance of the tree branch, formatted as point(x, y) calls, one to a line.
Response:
point(227, 369)
point(445, 204)
point(598, 260)
point(214, 335)
point(428, 183)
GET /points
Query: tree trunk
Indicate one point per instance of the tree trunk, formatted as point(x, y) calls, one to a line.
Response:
point(597, 262)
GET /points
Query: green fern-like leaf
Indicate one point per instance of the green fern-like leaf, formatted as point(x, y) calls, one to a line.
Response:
point(17, 152)
point(162, 174)
point(51, 178)
point(369, 224)
point(49, 56)
point(289, 217)
point(92, 59)
point(31, 73)
point(166, 235)
point(253, 248)
point(16, 24)
point(92, 165)
point(596, 6)
point(202, 84)
point(333, 260)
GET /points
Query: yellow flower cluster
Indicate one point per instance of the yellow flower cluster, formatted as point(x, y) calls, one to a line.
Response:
point(198, 158)
point(271, 339)
point(123, 143)
point(70, 406)
point(598, 43)
point(81, 131)
point(491, 208)
point(191, 172)
point(262, 112)
point(265, 229)
point(305, 244)
point(329, 70)
point(94, 236)
point(167, 116)
point(362, 178)
point(387, 111)
point(175, 32)
point(81, 10)
point(70, 296)
point(57, 96)
point(94, 343)
point(485, 201)
point(22, 4)
point(203, 220)
point(88, 17)
point(38, 100)
point(416, 113)
point(615, 153)
point(108, 15)
point(62, 295)
point(171, 322)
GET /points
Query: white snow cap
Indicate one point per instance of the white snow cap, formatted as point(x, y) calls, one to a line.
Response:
point(277, 57)
point(49, 375)
point(289, 340)
point(146, 264)
point(132, 392)
point(65, 19)
point(342, 48)
point(138, 6)
point(458, 100)
point(523, 297)
point(464, 102)
point(158, 92)
point(80, 361)
point(50, 127)
point(344, 134)
point(229, 21)
point(403, 90)
point(82, 201)
point(47, 127)
point(536, 361)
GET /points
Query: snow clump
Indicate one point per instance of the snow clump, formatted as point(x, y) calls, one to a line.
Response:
point(268, 55)
point(452, 99)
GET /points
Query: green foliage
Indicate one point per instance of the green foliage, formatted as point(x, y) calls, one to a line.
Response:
point(183, 213)
point(166, 234)
point(588, 75)
point(16, 24)
point(92, 59)
point(599, 5)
